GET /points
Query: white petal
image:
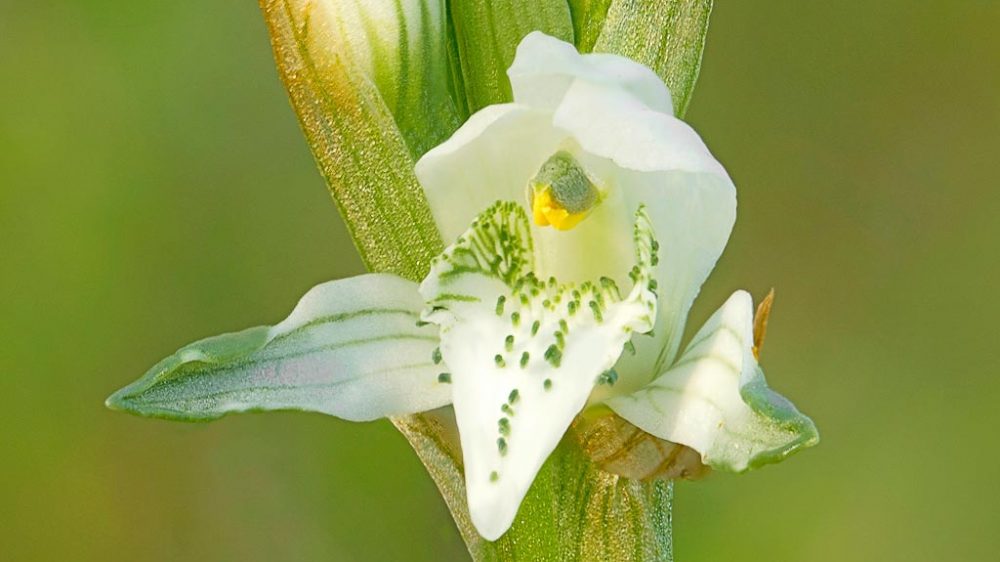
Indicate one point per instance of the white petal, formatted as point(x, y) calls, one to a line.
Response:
point(491, 157)
point(523, 354)
point(350, 348)
point(661, 162)
point(716, 401)
point(695, 214)
point(545, 67)
point(612, 123)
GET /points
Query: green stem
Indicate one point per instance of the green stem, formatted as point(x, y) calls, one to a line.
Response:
point(573, 512)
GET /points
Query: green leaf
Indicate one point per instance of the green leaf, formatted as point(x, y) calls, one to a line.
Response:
point(588, 21)
point(665, 35)
point(349, 84)
point(350, 348)
point(487, 33)
point(566, 515)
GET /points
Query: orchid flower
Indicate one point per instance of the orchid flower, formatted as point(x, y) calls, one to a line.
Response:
point(584, 218)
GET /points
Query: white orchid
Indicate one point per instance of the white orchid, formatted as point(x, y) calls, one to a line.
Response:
point(520, 324)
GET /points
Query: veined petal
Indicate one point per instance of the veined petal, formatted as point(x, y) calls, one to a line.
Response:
point(523, 354)
point(662, 163)
point(350, 348)
point(716, 401)
point(545, 67)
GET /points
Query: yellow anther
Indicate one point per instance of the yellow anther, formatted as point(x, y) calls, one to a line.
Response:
point(561, 194)
point(548, 212)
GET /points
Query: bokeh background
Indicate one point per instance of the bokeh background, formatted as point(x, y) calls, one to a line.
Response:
point(155, 188)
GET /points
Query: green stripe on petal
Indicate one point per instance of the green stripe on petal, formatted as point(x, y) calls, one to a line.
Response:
point(715, 400)
point(350, 348)
point(524, 353)
point(398, 45)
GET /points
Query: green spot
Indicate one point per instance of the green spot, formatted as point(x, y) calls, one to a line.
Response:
point(436, 356)
point(553, 355)
point(504, 427)
point(500, 304)
point(502, 446)
point(609, 377)
point(508, 343)
point(560, 340)
point(547, 384)
point(499, 361)
point(515, 318)
point(444, 377)
point(494, 476)
point(563, 326)
point(596, 309)
point(535, 326)
point(507, 409)
point(513, 396)
point(524, 359)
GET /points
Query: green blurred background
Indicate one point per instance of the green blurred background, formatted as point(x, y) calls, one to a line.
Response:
point(155, 188)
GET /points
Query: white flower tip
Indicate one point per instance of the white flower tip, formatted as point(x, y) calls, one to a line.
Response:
point(538, 43)
point(740, 302)
point(491, 518)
